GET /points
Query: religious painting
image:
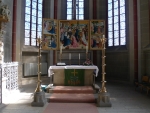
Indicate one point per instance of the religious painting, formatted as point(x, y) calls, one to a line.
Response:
point(49, 34)
point(49, 42)
point(49, 26)
point(73, 34)
point(97, 32)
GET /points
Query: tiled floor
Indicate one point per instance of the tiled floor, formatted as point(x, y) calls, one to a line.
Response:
point(123, 97)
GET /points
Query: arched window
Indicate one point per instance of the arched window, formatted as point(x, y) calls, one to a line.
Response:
point(116, 23)
point(33, 21)
point(75, 9)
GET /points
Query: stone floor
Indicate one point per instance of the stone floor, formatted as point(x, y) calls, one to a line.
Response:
point(123, 97)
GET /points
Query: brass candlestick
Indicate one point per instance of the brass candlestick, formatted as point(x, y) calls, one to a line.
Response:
point(103, 65)
point(103, 96)
point(39, 95)
point(38, 89)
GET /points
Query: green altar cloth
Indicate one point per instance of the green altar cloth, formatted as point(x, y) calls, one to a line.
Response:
point(74, 77)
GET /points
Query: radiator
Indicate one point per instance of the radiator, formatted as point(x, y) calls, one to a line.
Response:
point(30, 69)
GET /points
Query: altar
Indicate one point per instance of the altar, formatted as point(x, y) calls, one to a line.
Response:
point(58, 74)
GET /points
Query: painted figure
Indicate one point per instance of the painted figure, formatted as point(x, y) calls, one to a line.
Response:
point(52, 42)
point(66, 39)
point(49, 27)
point(74, 42)
point(84, 42)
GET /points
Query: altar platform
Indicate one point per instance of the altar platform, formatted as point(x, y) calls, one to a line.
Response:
point(57, 74)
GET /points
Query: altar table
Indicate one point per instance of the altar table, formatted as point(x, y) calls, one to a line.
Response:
point(59, 77)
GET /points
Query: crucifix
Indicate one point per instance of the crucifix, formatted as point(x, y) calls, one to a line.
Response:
point(74, 72)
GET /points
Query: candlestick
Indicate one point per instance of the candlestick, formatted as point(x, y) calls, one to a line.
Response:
point(87, 49)
point(79, 55)
point(103, 36)
point(69, 56)
point(61, 49)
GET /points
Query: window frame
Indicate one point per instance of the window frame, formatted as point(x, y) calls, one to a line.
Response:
point(31, 32)
point(75, 11)
point(119, 28)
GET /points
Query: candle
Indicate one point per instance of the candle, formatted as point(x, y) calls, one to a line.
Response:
point(69, 56)
point(61, 49)
point(79, 55)
point(87, 49)
point(103, 36)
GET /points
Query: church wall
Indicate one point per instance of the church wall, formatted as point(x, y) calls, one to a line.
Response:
point(130, 38)
point(145, 37)
point(101, 9)
point(118, 59)
point(117, 66)
point(25, 54)
point(87, 9)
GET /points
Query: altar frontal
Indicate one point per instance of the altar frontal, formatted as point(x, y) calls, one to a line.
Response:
point(74, 77)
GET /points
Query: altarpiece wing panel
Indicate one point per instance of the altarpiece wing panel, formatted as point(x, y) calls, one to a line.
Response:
point(97, 32)
point(49, 34)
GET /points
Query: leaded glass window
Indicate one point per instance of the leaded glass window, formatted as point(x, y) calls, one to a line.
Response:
point(33, 21)
point(75, 9)
point(116, 23)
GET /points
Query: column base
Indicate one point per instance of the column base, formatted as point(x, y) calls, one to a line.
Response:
point(103, 99)
point(39, 99)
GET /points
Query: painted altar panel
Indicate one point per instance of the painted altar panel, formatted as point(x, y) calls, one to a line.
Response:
point(49, 34)
point(97, 32)
point(73, 34)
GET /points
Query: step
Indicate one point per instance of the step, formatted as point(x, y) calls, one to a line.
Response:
point(72, 89)
point(72, 98)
